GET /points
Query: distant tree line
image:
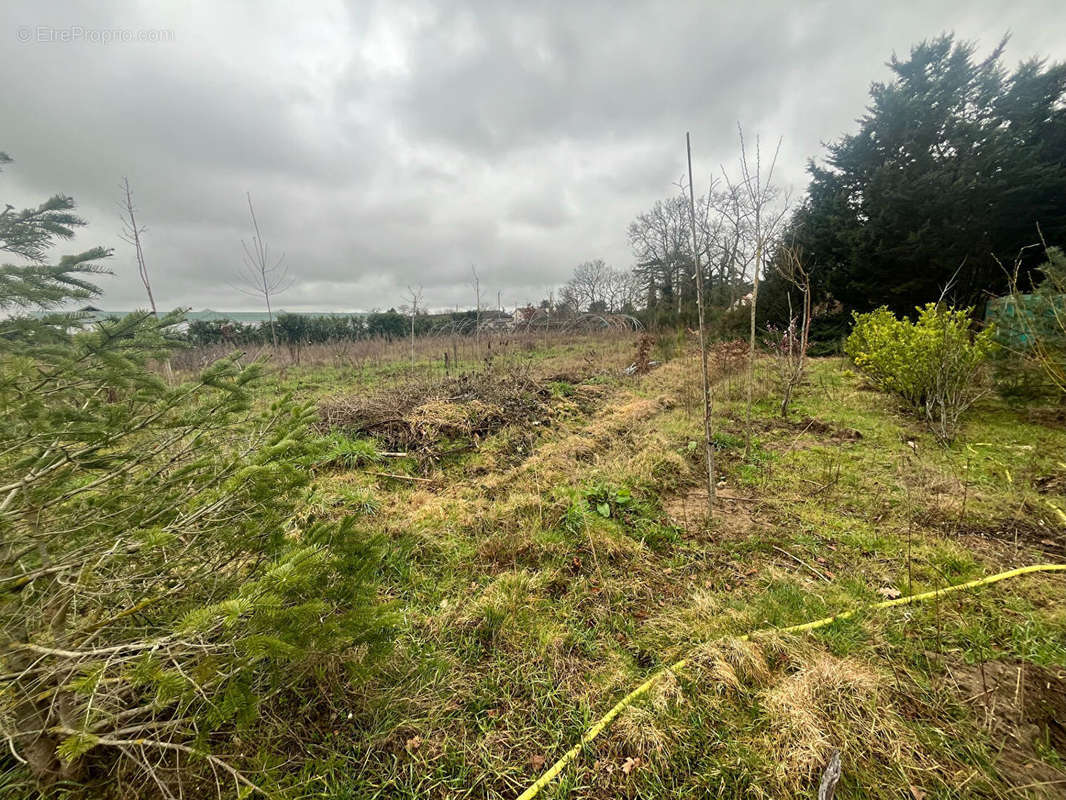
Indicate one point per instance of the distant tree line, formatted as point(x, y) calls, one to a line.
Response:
point(301, 329)
point(956, 163)
point(661, 287)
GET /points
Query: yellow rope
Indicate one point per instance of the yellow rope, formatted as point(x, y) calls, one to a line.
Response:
point(607, 718)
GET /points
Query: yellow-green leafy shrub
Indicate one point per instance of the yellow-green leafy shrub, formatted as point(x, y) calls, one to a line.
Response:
point(932, 363)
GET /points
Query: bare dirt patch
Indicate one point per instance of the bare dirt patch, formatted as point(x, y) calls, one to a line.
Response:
point(733, 514)
point(1024, 530)
point(1051, 484)
point(798, 434)
point(1023, 708)
point(822, 428)
point(1049, 417)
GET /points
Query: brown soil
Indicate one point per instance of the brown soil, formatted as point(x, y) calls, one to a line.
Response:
point(1052, 417)
point(1051, 484)
point(1023, 708)
point(733, 517)
point(803, 433)
point(1018, 532)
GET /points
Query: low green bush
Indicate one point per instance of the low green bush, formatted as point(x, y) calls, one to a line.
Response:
point(932, 364)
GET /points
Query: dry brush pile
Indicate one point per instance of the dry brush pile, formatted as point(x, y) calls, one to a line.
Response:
point(433, 417)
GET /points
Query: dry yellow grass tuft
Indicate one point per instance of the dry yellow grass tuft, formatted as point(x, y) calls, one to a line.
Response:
point(437, 418)
point(829, 704)
point(505, 597)
point(732, 664)
point(665, 693)
point(639, 731)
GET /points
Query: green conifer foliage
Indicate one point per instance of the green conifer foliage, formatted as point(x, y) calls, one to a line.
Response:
point(955, 164)
point(155, 591)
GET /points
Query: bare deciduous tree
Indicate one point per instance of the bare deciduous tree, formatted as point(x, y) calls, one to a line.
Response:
point(589, 284)
point(414, 297)
point(597, 287)
point(622, 290)
point(260, 274)
point(792, 349)
point(661, 241)
point(737, 250)
point(131, 233)
point(761, 196)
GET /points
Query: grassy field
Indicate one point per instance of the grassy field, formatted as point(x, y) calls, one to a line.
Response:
point(548, 548)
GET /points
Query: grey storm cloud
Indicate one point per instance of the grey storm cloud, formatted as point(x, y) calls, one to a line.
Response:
point(399, 143)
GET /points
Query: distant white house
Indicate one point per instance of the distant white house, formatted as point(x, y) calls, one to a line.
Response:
point(741, 302)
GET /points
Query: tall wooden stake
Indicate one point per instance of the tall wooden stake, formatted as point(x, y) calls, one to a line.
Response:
point(707, 444)
point(477, 318)
point(751, 340)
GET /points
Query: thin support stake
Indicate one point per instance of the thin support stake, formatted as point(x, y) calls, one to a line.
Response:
point(707, 444)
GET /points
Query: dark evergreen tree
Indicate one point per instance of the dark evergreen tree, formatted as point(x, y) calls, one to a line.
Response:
point(954, 166)
point(387, 324)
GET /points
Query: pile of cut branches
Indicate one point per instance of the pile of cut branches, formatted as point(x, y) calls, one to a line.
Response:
point(430, 417)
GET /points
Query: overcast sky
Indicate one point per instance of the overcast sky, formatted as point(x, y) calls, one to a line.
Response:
point(395, 143)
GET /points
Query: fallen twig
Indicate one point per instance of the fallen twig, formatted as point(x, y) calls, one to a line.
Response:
point(827, 788)
point(400, 477)
point(801, 561)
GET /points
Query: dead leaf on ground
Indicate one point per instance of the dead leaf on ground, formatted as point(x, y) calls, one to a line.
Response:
point(414, 742)
point(631, 764)
point(537, 762)
point(917, 793)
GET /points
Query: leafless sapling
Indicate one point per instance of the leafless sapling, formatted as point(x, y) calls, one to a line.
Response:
point(131, 233)
point(760, 196)
point(707, 409)
point(260, 274)
point(414, 297)
point(792, 349)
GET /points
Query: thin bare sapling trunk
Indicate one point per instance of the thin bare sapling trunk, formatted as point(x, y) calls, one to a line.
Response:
point(477, 314)
point(261, 275)
point(415, 297)
point(708, 445)
point(759, 195)
point(131, 233)
point(795, 345)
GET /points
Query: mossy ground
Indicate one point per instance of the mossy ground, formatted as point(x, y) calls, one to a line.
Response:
point(550, 569)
